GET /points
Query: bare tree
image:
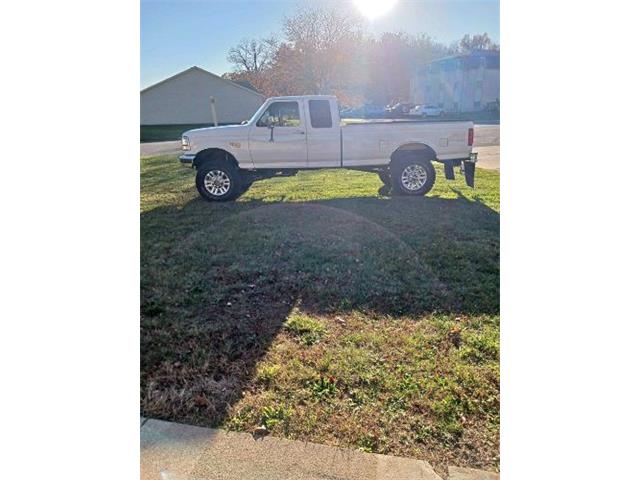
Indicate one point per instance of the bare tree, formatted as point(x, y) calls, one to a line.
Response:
point(476, 42)
point(324, 41)
point(253, 56)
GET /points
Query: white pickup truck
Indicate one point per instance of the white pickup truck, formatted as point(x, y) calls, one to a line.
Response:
point(288, 134)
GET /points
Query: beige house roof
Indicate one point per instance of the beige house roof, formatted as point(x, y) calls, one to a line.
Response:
point(196, 68)
point(185, 99)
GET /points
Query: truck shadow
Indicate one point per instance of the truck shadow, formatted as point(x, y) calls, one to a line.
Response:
point(219, 281)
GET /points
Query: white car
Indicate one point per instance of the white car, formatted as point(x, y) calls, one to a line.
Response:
point(426, 111)
point(288, 134)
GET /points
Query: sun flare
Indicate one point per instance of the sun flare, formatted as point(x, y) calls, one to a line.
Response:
point(374, 8)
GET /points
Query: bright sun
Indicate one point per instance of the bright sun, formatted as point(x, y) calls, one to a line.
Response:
point(374, 8)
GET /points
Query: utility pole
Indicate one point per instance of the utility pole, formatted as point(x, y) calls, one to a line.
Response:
point(214, 114)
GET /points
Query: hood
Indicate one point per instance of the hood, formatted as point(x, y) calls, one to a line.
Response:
point(212, 131)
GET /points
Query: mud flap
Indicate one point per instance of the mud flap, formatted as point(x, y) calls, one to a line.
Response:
point(448, 171)
point(469, 173)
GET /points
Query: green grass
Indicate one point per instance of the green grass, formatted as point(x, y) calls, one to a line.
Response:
point(160, 133)
point(325, 312)
point(306, 328)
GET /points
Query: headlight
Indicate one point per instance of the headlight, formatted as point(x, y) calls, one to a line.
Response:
point(185, 143)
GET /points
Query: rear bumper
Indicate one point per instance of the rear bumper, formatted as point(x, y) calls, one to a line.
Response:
point(187, 159)
point(467, 168)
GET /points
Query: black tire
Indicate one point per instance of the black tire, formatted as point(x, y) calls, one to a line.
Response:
point(245, 186)
point(231, 172)
point(399, 165)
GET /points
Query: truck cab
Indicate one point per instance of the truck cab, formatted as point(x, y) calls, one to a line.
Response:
point(296, 132)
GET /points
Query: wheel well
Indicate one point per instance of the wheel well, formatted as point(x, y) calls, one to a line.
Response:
point(217, 154)
point(420, 149)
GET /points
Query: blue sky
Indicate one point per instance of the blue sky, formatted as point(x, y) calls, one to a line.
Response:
point(177, 34)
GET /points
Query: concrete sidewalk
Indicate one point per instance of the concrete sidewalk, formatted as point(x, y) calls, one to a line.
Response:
point(172, 451)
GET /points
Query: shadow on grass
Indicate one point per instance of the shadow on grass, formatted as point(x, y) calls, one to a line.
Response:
point(219, 280)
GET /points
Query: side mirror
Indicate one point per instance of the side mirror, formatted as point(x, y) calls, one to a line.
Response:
point(270, 125)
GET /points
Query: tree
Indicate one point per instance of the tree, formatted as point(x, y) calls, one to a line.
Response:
point(253, 61)
point(476, 42)
point(393, 59)
point(322, 43)
point(253, 56)
point(325, 50)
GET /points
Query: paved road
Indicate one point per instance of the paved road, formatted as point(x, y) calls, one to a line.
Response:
point(486, 135)
point(486, 143)
point(488, 157)
point(159, 148)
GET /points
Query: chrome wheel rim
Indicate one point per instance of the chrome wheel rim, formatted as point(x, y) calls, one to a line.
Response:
point(414, 177)
point(217, 182)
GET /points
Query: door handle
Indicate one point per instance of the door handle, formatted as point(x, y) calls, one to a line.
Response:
point(301, 133)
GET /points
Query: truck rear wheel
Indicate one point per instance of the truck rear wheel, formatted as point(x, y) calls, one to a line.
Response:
point(412, 176)
point(218, 182)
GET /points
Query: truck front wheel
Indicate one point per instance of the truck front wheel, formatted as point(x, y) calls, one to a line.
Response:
point(412, 176)
point(218, 182)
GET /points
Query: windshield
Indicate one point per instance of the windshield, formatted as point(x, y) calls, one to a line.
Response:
point(254, 118)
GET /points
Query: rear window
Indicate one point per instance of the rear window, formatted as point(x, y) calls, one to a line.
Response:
point(320, 112)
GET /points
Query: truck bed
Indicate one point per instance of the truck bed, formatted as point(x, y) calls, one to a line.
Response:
point(373, 142)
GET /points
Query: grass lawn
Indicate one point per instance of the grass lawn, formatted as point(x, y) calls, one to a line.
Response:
point(325, 312)
point(160, 133)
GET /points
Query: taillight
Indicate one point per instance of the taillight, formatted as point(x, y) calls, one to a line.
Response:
point(470, 137)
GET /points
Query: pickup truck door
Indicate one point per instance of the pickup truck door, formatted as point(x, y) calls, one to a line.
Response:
point(323, 133)
point(278, 138)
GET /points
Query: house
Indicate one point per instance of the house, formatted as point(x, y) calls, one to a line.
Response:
point(461, 83)
point(185, 99)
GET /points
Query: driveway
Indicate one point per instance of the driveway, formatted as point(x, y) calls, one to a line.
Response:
point(486, 143)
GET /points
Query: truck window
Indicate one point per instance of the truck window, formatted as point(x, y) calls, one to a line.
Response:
point(280, 114)
point(320, 112)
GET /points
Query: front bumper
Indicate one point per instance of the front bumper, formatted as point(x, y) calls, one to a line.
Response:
point(187, 159)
